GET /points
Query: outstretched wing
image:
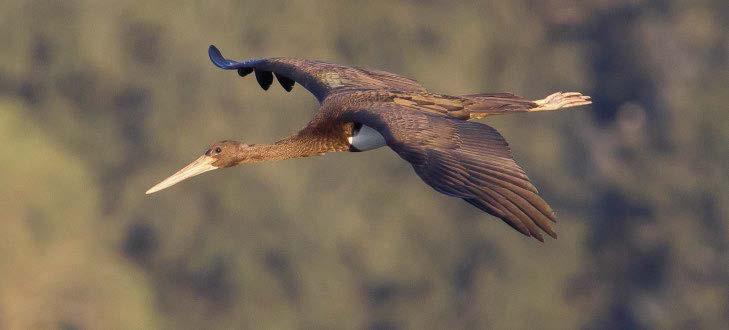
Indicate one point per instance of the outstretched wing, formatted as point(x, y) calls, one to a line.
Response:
point(463, 159)
point(319, 78)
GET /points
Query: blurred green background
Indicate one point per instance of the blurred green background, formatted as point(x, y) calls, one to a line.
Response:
point(100, 100)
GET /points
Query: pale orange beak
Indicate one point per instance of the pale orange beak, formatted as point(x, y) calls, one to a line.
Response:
point(199, 166)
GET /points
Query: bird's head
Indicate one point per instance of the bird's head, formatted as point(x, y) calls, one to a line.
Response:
point(225, 153)
point(219, 155)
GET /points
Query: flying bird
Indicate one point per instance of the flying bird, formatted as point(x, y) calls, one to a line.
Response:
point(362, 109)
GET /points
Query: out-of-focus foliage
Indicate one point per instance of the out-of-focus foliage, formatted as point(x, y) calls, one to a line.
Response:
point(99, 100)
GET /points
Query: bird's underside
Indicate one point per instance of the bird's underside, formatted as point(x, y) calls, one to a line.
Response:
point(455, 156)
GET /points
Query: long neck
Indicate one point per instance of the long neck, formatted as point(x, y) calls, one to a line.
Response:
point(291, 147)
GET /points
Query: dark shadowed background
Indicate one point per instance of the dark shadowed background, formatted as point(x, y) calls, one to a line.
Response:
point(100, 100)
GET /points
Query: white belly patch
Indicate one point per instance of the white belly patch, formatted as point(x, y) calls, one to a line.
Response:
point(365, 138)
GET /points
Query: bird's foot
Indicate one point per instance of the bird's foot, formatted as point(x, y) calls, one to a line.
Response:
point(561, 100)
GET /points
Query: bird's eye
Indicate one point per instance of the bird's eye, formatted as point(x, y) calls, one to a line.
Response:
point(217, 150)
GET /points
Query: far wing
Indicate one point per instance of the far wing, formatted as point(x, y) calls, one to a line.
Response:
point(319, 78)
point(463, 159)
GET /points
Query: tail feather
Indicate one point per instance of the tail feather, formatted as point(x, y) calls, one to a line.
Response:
point(482, 105)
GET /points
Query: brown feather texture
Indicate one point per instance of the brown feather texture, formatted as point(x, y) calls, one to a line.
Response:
point(433, 132)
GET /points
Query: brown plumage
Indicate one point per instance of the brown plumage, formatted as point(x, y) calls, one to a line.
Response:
point(431, 131)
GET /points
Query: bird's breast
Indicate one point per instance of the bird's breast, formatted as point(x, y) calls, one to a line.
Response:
point(364, 138)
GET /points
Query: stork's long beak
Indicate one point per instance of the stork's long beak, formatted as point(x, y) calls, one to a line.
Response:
point(199, 166)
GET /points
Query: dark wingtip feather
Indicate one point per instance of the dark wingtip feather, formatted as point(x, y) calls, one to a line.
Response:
point(244, 71)
point(217, 58)
point(286, 82)
point(264, 78)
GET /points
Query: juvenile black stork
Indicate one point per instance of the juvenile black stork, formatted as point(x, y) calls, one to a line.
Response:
point(363, 109)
